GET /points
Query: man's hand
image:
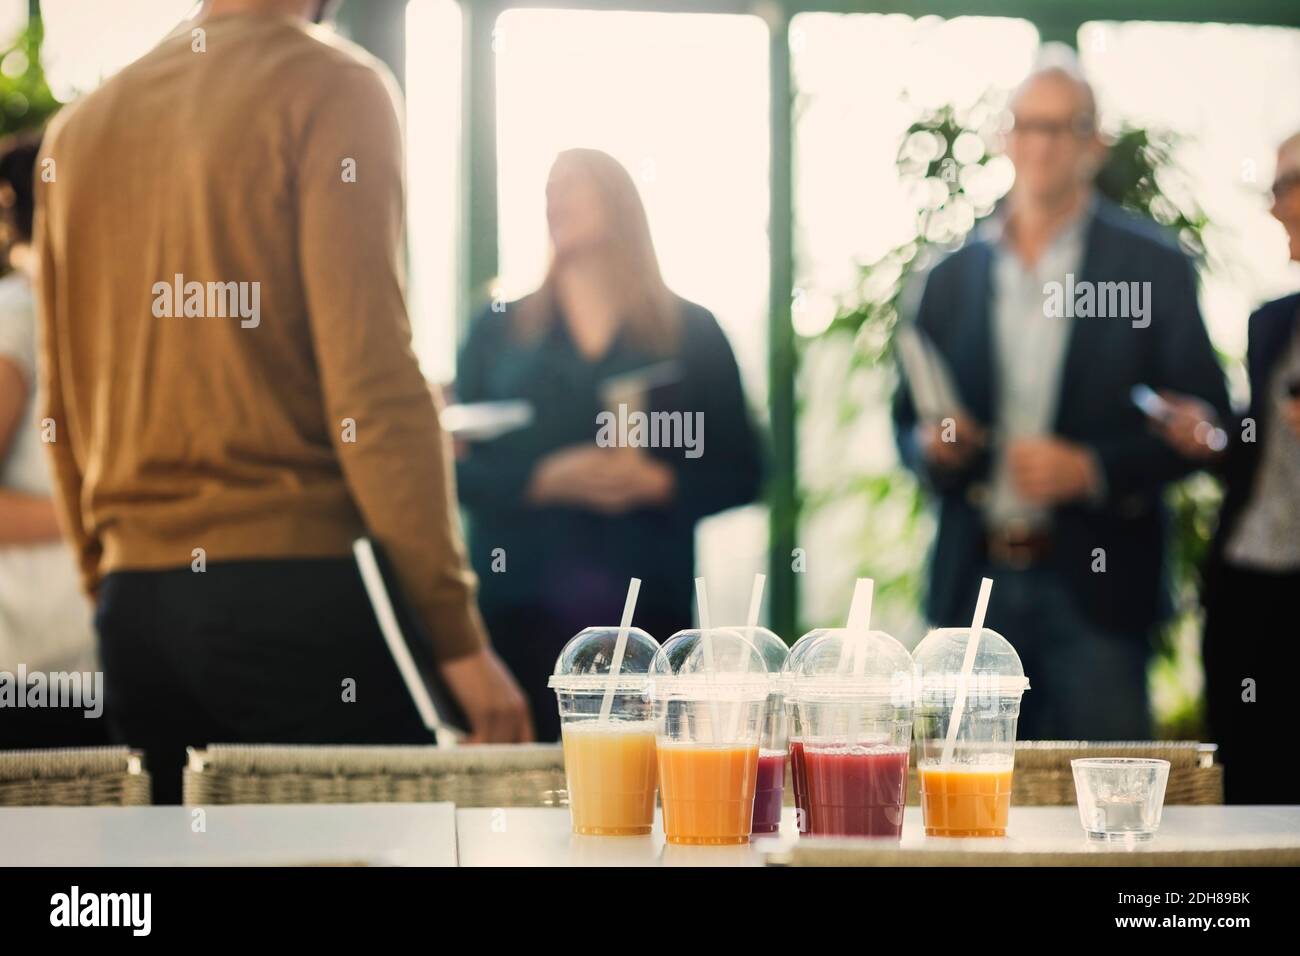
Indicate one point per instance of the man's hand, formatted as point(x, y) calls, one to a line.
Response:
point(608, 480)
point(951, 443)
point(1049, 471)
point(493, 703)
point(1190, 427)
point(1291, 415)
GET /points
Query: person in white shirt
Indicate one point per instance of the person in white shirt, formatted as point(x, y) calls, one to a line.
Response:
point(45, 620)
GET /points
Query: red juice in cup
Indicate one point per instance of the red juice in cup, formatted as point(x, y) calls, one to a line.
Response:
point(853, 695)
point(856, 791)
point(770, 790)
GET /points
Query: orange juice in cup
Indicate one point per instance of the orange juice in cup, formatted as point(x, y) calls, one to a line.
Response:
point(709, 689)
point(965, 800)
point(607, 729)
point(965, 754)
point(708, 792)
point(611, 774)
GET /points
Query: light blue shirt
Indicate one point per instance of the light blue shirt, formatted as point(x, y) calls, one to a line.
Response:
point(1029, 348)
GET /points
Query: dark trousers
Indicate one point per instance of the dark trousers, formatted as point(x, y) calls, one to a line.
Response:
point(1252, 649)
point(45, 727)
point(283, 652)
point(1085, 683)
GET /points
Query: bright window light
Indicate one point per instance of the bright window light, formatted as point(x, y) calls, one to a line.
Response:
point(87, 42)
point(1213, 88)
point(433, 64)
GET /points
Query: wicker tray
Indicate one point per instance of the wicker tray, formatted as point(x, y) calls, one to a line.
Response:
point(533, 775)
point(73, 777)
point(528, 775)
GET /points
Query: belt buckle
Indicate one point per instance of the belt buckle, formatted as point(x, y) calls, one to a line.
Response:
point(1013, 541)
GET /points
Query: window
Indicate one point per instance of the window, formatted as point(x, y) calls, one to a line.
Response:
point(433, 66)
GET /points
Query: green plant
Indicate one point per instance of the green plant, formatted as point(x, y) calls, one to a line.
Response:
point(26, 103)
point(25, 98)
point(950, 161)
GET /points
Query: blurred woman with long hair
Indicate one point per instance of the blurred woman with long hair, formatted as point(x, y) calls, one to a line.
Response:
point(564, 511)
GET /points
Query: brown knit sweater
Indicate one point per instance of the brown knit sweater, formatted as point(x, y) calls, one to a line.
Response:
point(226, 352)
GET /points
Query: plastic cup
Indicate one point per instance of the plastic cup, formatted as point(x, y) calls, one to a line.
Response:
point(609, 764)
point(853, 691)
point(710, 692)
point(1120, 798)
point(772, 755)
point(970, 795)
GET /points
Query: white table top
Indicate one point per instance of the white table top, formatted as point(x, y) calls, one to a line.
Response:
point(543, 836)
point(1202, 835)
point(437, 834)
point(376, 834)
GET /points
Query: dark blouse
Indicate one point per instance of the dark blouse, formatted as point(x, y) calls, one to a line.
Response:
point(573, 563)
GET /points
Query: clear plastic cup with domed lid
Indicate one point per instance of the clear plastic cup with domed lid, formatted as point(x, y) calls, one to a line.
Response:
point(709, 687)
point(859, 618)
point(968, 702)
point(601, 683)
point(853, 691)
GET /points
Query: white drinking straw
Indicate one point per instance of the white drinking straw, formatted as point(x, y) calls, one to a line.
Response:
point(702, 601)
point(859, 623)
point(967, 666)
point(751, 622)
point(755, 601)
point(860, 606)
point(710, 670)
point(620, 648)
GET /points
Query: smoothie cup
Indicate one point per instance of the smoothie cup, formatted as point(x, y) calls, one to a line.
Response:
point(609, 764)
point(853, 691)
point(709, 690)
point(970, 794)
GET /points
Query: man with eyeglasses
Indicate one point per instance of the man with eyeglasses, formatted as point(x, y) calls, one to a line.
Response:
point(1252, 575)
point(1048, 478)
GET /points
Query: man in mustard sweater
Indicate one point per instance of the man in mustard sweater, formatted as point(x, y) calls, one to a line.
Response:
point(230, 385)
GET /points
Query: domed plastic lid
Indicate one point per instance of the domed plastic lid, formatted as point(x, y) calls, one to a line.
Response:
point(585, 662)
point(940, 657)
point(797, 652)
point(718, 663)
point(773, 650)
point(854, 663)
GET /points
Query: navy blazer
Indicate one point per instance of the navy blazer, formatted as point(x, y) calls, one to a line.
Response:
point(1269, 332)
point(1104, 359)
